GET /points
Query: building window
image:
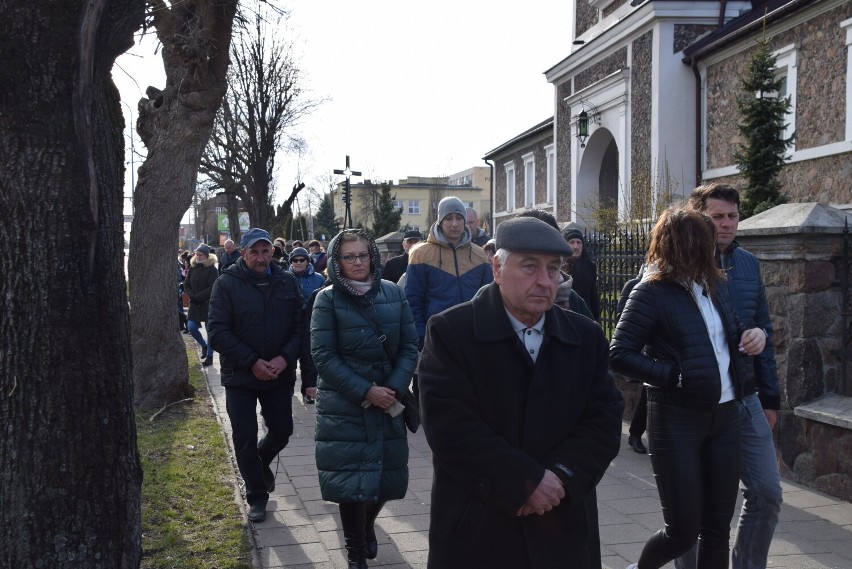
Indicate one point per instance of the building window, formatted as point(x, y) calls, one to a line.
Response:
point(510, 186)
point(397, 204)
point(468, 204)
point(529, 179)
point(550, 157)
point(414, 207)
point(786, 69)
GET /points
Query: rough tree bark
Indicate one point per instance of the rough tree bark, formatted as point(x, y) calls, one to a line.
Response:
point(69, 471)
point(174, 123)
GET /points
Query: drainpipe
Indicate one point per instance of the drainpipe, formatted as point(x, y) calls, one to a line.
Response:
point(698, 147)
point(492, 190)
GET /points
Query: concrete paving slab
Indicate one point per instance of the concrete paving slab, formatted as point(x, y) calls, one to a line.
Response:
point(302, 531)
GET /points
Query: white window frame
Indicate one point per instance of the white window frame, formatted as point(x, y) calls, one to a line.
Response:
point(510, 185)
point(847, 26)
point(397, 204)
point(550, 160)
point(529, 179)
point(413, 207)
point(786, 65)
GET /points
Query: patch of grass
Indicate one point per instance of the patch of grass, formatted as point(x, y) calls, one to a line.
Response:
point(189, 518)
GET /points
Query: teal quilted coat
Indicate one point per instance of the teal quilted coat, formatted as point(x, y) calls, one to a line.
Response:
point(361, 453)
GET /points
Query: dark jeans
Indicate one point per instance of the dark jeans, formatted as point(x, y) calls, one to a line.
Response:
point(253, 455)
point(695, 457)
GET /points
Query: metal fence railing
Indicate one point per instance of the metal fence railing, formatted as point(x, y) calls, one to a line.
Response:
point(618, 255)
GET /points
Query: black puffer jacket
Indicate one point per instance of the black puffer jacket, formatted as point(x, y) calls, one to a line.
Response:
point(248, 322)
point(680, 366)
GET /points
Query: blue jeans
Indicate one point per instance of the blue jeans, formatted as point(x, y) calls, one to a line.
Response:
point(194, 328)
point(762, 494)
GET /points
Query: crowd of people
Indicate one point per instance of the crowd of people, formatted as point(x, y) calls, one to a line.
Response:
point(494, 342)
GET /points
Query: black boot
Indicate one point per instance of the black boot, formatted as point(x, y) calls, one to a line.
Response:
point(372, 543)
point(353, 516)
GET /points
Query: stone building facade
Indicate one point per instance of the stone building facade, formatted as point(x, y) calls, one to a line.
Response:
point(812, 46)
point(524, 173)
point(800, 248)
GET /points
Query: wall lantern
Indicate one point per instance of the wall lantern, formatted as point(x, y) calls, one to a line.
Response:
point(583, 120)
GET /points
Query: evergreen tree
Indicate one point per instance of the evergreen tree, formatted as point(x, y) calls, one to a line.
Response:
point(764, 118)
point(324, 221)
point(387, 215)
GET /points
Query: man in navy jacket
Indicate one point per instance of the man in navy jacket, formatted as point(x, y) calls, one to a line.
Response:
point(759, 474)
point(255, 323)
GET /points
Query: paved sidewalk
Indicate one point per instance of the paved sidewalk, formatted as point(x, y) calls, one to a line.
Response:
point(302, 531)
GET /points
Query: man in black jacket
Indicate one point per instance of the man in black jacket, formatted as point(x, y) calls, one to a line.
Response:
point(255, 323)
point(395, 266)
point(520, 412)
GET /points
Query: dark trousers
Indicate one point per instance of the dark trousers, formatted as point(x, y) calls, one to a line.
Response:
point(639, 422)
point(695, 457)
point(358, 519)
point(252, 455)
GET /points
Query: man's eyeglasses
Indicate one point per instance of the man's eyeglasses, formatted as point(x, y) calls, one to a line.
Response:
point(299, 260)
point(363, 258)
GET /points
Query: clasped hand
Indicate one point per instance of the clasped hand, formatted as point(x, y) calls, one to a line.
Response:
point(752, 342)
point(268, 370)
point(381, 397)
point(547, 495)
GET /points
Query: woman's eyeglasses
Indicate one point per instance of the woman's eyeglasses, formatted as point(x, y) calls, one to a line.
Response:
point(299, 260)
point(363, 258)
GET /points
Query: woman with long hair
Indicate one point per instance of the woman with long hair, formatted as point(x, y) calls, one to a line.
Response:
point(678, 334)
point(364, 346)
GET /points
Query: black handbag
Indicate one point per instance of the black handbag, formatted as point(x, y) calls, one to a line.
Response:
point(411, 413)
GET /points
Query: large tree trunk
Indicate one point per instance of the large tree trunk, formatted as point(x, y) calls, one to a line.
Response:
point(69, 471)
point(174, 124)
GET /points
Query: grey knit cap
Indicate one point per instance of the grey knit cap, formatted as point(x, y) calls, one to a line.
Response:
point(574, 234)
point(448, 205)
point(204, 249)
point(299, 252)
point(530, 234)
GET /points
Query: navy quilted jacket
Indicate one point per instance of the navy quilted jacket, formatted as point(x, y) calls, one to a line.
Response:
point(745, 286)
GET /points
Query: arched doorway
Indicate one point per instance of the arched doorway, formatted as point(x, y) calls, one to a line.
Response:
point(597, 178)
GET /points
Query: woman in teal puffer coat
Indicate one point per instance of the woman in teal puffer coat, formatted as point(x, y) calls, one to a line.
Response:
point(361, 447)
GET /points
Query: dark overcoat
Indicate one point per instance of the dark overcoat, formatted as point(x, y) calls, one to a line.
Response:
point(495, 421)
point(198, 286)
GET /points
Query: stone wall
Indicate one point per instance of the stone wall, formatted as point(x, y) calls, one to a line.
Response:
point(562, 121)
point(640, 110)
point(801, 273)
point(585, 16)
point(821, 87)
point(607, 66)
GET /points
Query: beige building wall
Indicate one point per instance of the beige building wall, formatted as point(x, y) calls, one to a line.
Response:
point(418, 198)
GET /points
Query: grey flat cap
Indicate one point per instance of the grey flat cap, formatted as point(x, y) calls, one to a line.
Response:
point(530, 234)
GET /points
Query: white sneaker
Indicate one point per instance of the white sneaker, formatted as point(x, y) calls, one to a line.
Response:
point(632, 566)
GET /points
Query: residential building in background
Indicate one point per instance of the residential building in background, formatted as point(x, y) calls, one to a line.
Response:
point(417, 197)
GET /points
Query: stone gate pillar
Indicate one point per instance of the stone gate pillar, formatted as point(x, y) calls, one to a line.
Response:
point(800, 248)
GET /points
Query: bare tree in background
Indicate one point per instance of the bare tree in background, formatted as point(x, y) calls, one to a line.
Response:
point(266, 100)
point(69, 470)
point(174, 124)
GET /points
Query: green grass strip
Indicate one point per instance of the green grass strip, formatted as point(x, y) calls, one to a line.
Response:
point(189, 517)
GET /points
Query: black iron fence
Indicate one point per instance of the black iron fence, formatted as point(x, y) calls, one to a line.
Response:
point(618, 254)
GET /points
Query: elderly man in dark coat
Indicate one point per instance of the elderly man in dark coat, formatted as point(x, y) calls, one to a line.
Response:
point(521, 414)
